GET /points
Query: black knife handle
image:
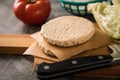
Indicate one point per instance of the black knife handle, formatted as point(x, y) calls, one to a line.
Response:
point(46, 70)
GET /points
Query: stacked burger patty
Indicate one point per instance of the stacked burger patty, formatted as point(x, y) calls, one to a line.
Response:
point(66, 31)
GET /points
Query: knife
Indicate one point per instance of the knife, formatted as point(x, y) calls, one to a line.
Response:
point(72, 66)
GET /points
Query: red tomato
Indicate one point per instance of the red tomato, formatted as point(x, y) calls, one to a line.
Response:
point(32, 12)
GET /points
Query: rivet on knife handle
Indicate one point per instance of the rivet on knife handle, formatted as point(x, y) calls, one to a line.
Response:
point(70, 66)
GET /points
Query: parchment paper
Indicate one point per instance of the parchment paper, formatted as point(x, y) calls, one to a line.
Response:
point(100, 39)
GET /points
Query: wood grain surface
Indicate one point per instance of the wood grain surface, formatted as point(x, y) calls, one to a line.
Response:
point(17, 43)
point(14, 43)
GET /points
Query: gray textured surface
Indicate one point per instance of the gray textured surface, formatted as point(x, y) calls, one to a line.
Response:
point(14, 67)
point(10, 24)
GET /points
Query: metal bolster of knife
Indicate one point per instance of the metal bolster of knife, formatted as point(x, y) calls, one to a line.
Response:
point(115, 53)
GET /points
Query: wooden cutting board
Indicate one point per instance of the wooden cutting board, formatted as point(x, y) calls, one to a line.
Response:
point(16, 44)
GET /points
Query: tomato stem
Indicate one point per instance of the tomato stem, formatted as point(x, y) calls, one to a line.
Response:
point(32, 1)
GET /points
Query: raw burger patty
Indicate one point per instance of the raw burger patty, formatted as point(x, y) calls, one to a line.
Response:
point(67, 31)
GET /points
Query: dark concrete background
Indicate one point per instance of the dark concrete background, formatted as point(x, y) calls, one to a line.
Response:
point(16, 67)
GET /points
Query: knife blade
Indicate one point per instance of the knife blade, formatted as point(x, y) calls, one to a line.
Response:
point(71, 66)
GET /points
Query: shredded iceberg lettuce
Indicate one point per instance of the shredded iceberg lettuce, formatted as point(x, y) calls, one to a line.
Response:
point(116, 1)
point(108, 18)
